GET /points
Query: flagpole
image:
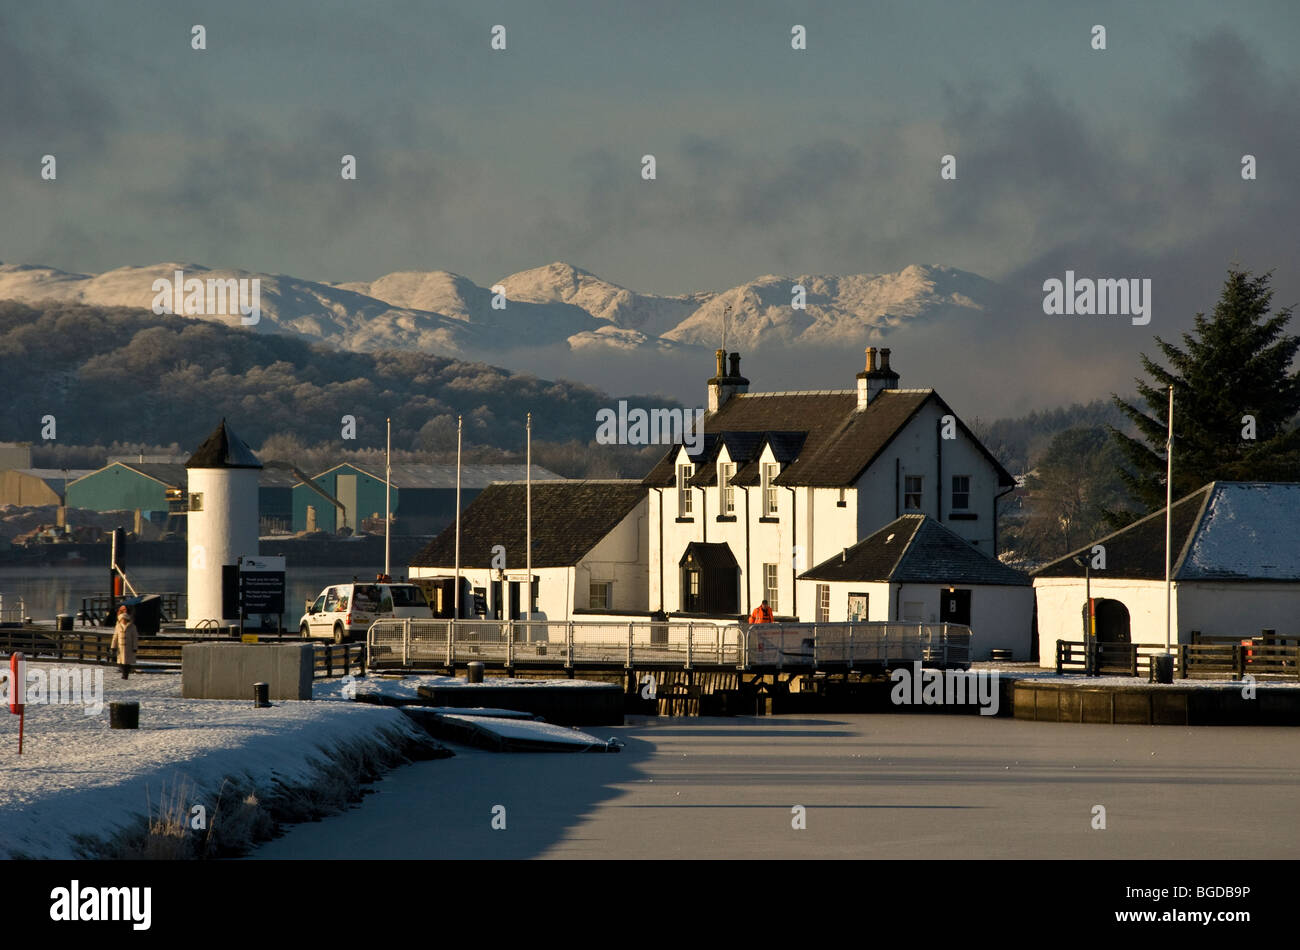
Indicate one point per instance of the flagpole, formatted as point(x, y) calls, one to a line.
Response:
point(1169, 501)
point(456, 594)
point(388, 493)
point(528, 504)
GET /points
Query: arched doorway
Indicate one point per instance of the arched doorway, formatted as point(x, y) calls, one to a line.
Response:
point(1112, 620)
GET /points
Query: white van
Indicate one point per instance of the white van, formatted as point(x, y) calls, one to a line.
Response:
point(345, 611)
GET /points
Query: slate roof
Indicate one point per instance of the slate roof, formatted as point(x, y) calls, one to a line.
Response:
point(1242, 531)
point(828, 442)
point(223, 449)
point(569, 518)
point(916, 549)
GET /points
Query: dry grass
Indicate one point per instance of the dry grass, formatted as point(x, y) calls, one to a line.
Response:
point(239, 816)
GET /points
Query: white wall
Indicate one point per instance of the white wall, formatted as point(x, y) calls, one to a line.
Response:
point(914, 448)
point(1001, 617)
point(1060, 610)
point(622, 557)
point(220, 533)
point(1236, 609)
point(879, 600)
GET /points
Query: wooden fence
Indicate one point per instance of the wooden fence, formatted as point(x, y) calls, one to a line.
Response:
point(91, 645)
point(1220, 658)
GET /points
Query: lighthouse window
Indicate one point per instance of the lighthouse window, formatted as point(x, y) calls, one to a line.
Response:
point(196, 501)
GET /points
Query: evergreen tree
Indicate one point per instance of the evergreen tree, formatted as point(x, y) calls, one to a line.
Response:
point(1235, 364)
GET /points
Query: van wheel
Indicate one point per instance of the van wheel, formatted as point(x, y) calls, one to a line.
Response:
point(305, 632)
point(338, 633)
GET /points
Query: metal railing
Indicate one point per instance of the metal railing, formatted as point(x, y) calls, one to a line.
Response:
point(410, 642)
point(12, 609)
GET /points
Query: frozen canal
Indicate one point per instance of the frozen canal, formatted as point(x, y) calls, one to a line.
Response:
point(919, 786)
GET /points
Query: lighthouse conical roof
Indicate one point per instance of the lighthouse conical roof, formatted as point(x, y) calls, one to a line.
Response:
point(223, 449)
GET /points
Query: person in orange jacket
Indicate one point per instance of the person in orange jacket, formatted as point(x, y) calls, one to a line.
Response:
point(761, 614)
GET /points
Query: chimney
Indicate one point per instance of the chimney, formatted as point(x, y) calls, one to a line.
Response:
point(726, 384)
point(872, 380)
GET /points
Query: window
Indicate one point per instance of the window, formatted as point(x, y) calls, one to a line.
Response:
point(960, 492)
point(602, 595)
point(770, 471)
point(726, 470)
point(823, 603)
point(196, 501)
point(684, 472)
point(407, 595)
point(770, 585)
point(912, 492)
point(913, 611)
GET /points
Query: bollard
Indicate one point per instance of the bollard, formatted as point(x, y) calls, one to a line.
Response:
point(124, 715)
point(474, 672)
point(260, 693)
point(1162, 668)
point(63, 623)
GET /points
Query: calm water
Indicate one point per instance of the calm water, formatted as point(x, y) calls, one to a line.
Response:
point(47, 591)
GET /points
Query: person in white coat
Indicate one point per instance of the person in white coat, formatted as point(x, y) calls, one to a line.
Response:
point(124, 641)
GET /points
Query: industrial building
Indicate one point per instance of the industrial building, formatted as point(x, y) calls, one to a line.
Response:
point(31, 487)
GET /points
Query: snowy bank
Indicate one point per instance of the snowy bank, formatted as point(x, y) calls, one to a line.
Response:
point(80, 789)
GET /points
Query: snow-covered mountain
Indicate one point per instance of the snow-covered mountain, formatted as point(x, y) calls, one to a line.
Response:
point(557, 305)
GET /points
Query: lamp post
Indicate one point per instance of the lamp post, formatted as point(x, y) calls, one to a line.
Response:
point(1090, 625)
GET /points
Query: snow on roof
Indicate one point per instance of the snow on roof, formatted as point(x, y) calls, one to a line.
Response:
point(1250, 531)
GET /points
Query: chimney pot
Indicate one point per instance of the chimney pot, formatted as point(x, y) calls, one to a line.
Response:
point(884, 359)
point(735, 365)
point(722, 362)
point(871, 359)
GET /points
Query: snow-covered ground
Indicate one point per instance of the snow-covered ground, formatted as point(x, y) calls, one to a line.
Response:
point(76, 776)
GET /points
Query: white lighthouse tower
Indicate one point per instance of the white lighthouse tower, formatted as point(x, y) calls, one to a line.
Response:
point(223, 523)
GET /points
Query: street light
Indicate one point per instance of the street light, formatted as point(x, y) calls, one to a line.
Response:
point(1090, 625)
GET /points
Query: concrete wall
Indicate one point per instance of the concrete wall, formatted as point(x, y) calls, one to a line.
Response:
point(229, 670)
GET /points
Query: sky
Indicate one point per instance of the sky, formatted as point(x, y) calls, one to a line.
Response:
point(1122, 162)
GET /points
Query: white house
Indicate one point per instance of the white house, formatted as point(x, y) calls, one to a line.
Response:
point(782, 481)
point(917, 570)
point(1236, 571)
point(590, 542)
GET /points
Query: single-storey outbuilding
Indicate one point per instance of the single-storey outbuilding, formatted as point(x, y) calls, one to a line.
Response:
point(1235, 571)
point(916, 570)
point(590, 552)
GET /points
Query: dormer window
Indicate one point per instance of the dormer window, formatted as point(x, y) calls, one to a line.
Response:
point(727, 471)
point(769, 472)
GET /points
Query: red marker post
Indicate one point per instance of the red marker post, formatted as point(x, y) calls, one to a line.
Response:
point(17, 684)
